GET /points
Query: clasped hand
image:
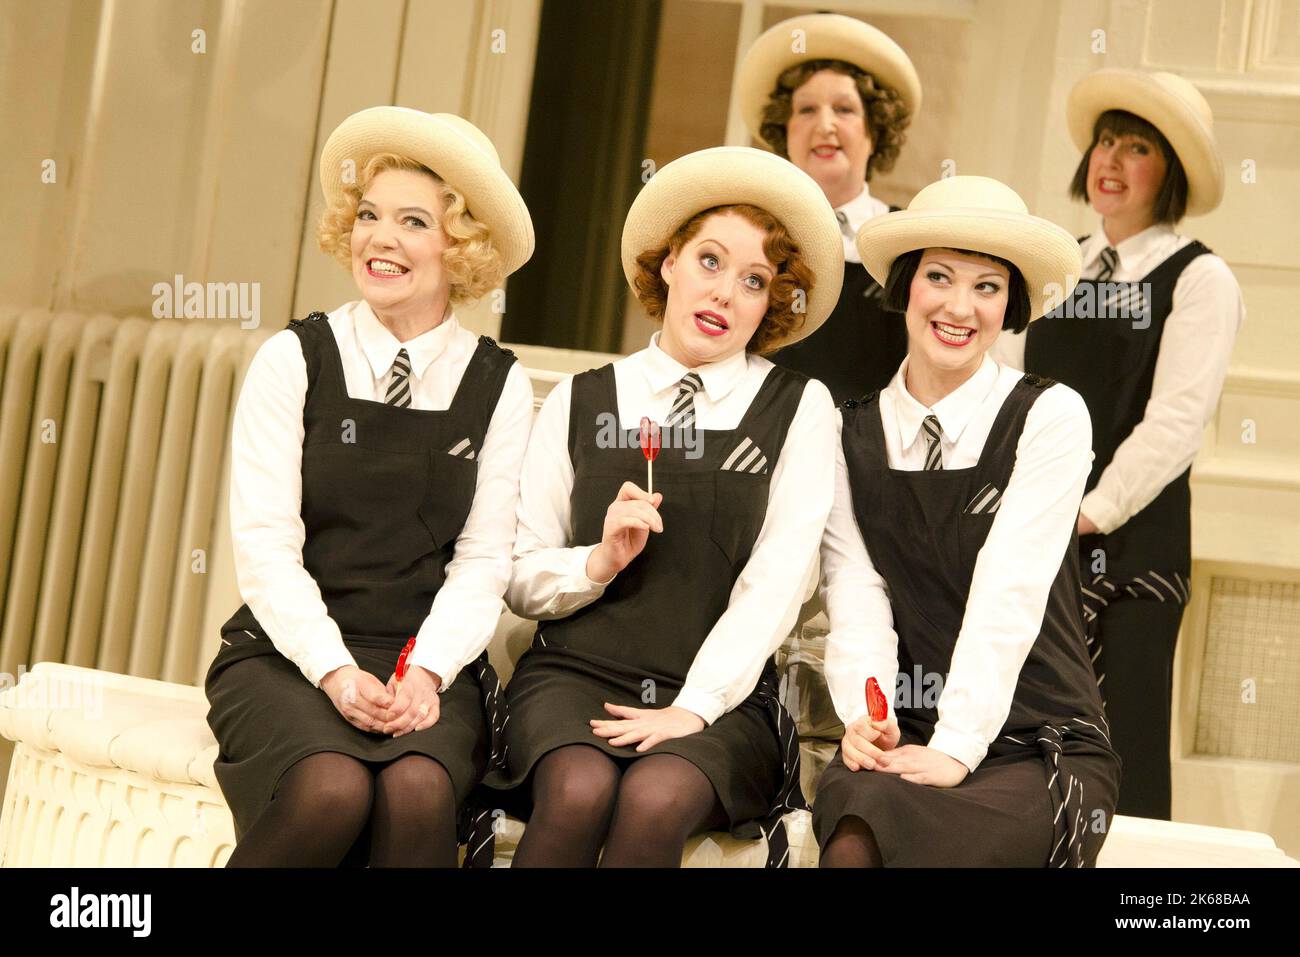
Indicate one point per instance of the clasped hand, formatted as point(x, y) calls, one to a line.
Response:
point(873, 746)
point(397, 708)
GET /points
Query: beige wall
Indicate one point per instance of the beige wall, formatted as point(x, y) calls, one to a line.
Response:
point(173, 161)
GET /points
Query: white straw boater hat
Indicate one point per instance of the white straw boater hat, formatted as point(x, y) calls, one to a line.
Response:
point(735, 175)
point(825, 36)
point(985, 216)
point(452, 147)
point(1169, 103)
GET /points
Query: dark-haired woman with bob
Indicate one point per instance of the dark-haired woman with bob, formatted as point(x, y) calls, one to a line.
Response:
point(834, 96)
point(646, 709)
point(1146, 340)
point(948, 565)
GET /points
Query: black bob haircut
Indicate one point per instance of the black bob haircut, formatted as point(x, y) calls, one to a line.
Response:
point(1171, 201)
point(898, 285)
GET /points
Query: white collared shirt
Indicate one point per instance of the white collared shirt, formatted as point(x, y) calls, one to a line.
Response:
point(266, 492)
point(1032, 528)
point(550, 577)
point(857, 211)
point(1195, 348)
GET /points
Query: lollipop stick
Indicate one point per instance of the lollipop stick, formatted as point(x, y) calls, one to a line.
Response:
point(650, 476)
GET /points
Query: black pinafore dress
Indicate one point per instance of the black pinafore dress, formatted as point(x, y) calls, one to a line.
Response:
point(383, 501)
point(635, 643)
point(859, 348)
point(1149, 557)
point(1045, 793)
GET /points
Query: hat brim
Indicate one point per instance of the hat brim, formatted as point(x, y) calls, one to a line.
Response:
point(826, 36)
point(735, 175)
point(1143, 95)
point(1047, 256)
point(490, 196)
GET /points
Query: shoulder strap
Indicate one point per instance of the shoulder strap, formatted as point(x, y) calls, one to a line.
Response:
point(317, 339)
point(1173, 267)
point(1004, 436)
point(593, 392)
point(483, 381)
point(773, 408)
point(863, 436)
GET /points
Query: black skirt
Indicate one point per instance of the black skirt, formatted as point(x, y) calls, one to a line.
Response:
point(553, 697)
point(999, 816)
point(266, 716)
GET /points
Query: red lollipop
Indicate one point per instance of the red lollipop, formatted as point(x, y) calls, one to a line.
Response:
point(876, 703)
point(650, 449)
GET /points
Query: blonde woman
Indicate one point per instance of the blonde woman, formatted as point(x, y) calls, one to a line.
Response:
point(374, 478)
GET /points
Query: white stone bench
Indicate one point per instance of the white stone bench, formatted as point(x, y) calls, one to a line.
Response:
point(116, 771)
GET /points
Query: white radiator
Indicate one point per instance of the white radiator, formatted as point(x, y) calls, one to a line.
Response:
point(114, 542)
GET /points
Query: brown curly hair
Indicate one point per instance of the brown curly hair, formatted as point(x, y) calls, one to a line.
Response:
point(786, 308)
point(882, 106)
point(473, 265)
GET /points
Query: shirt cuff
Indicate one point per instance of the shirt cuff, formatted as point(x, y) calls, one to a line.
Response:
point(437, 661)
point(432, 654)
point(1102, 512)
point(317, 666)
point(579, 571)
point(708, 706)
point(969, 749)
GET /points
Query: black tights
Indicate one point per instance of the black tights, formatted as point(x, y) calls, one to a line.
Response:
point(852, 844)
point(325, 801)
point(582, 798)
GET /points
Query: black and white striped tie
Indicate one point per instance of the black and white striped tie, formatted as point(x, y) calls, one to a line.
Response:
point(1109, 260)
point(682, 413)
point(845, 229)
point(399, 387)
point(933, 454)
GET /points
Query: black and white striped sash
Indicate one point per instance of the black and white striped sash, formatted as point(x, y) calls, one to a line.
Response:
point(477, 829)
point(1075, 840)
point(1103, 591)
point(790, 795)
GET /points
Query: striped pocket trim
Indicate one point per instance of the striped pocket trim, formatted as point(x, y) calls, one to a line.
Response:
point(985, 502)
point(745, 457)
point(464, 449)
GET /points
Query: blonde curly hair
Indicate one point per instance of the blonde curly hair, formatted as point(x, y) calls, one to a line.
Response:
point(472, 263)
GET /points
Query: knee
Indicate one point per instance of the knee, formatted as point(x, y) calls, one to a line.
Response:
point(416, 780)
point(851, 844)
point(342, 792)
point(650, 803)
point(578, 796)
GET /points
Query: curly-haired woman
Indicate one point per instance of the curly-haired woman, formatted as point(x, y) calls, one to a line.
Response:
point(646, 709)
point(834, 95)
point(374, 479)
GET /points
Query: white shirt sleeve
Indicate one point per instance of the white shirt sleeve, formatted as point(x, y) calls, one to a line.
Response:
point(1193, 361)
point(266, 511)
point(862, 642)
point(549, 578)
point(466, 609)
point(766, 597)
point(1013, 575)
